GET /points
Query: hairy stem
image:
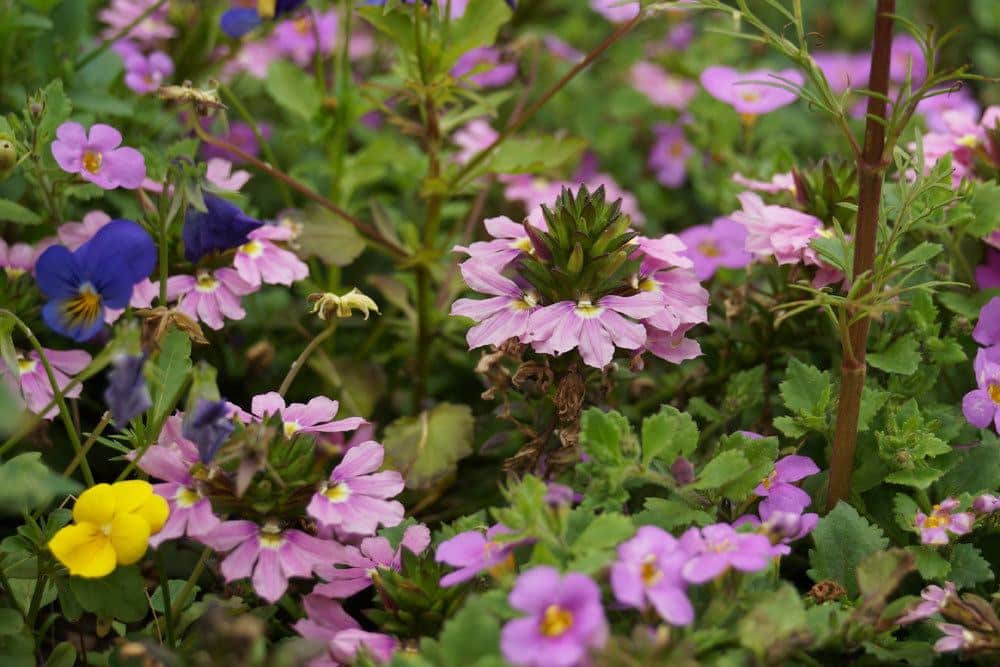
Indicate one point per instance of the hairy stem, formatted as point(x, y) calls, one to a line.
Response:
point(872, 165)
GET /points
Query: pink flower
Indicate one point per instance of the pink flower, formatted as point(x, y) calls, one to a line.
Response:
point(665, 252)
point(669, 155)
point(510, 242)
point(472, 552)
point(253, 57)
point(907, 60)
point(355, 497)
point(616, 11)
point(297, 37)
point(220, 174)
point(778, 183)
point(683, 301)
point(933, 600)
point(359, 563)
point(981, 406)
point(17, 259)
point(662, 88)
point(269, 555)
point(211, 296)
point(945, 99)
point(956, 638)
point(170, 459)
point(121, 14)
point(671, 346)
point(326, 621)
point(75, 234)
point(844, 70)
point(506, 314)
point(716, 548)
point(143, 294)
point(260, 260)
point(484, 66)
point(934, 528)
point(778, 490)
point(715, 246)
point(145, 74)
point(316, 416)
point(593, 327)
point(562, 49)
point(472, 138)
point(752, 93)
point(775, 230)
point(33, 381)
point(648, 569)
point(98, 156)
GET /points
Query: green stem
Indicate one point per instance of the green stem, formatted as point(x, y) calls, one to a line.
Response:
point(36, 599)
point(106, 43)
point(168, 612)
point(265, 147)
point(301, 360)
point(57, 392)
point(154, 431)
point(91, 439)
point(190, 583)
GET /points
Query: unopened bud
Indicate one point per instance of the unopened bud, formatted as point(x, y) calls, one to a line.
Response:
point(328, 304)
point(8, 153)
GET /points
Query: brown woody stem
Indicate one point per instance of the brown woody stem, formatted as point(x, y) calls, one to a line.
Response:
point(872, 165)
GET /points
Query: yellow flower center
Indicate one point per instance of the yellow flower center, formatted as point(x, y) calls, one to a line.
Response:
point(187, 497)
point(85, 307)
point(206, 283)
point(934, 521)
point(647, 284)
point(252, 248)
point(290, 428)
point(14, 272)
point(969, 141)
point(650, 573)
point(994, 392)
point(677, 149)
point(92, 161)
point(555, 621)
point(769, 480)
point(523, 244)
point(587, 310)
point(709, 249)
point(338, 494)
point(270, 540)
point(526, 302)
point(26, 366)
point(749, 95)
point(303, 26)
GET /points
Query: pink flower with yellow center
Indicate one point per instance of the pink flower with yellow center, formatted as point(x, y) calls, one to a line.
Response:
point(261, 260)
point(98, 156)
point(32, 382)
point(210, 297)
point(943, 519)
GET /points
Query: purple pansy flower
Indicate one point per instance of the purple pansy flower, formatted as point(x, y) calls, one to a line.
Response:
point(98, 156)
point(472, 552)
point(269, 555)
point(934, 527)
point(648, 569)
point(359, 563)
point(564, 619)
point(777, 489)
point(355, 497)
point(752, 93)
point(716, 548)
point(981, 406)
point(209, 425)
point(711, 247)
point(221, 226)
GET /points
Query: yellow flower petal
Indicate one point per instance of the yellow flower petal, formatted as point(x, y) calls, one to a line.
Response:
point(129, 537)
point(95, 505)
point(130, 495)
point(155, 511)
point(84, 549)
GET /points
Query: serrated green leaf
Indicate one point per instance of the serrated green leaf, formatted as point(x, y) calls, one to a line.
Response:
point(773, 621)
point(605, 436)
point(843, 538)
point(669, 514)
point(930, 563)
point(968, 567)
point(667, 435)
point(902, 357)
point(724, 468)
point(805, 388)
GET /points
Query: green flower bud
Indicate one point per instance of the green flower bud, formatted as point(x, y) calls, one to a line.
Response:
point(8, 154)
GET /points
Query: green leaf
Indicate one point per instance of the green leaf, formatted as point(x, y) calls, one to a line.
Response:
point(930, 563)
point(880, 574)
point(57, 111)
point(843, 538)
point(63, 655)
point(14, 212)
point(924, 252)
point(985, 202)
point(534, 155)
point(902, 356)
point(27, 484)
point(760, 453)
point(774, 621)
point(397, 26)
point(594, 548)
point(725, 467)
point(968, 567)
point(329, 237)
point(976, 472)
point(805, 388)
point(428, 447)
point(873, 400)
point(10, 622)
point(120, 595)
point(606, 436)
point(168, 374)
point(918, 478)
point(667, 435)
point(477, 27)
point(293, 89)
point(669, 514)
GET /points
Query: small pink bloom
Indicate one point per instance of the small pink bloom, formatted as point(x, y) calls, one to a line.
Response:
point(648, 571)
point(33, 382)
point(934, 528)
point(778, 183)
point(358, 563)
point(98, 156)
point(485, 67)
point(715, 246)
point(716, 548)
point(297, 37)
point(260, 260)
point(506, 314)
point(145, 74)
point(120, 14)
point(355, 499)
point(844, 70)
point(671, 346)
point(662, 88)
point(933, 600)
point(143, 294)
point(472, 552)
point(269, 555)
point(616, 11)
point(17, 259)
point(956, 638)
point(210, 297)
point(778, 490)
point(472, 138)
point(220, 174)
point(510, 242)
point(669, 155)
point(753, 93)
point(75, 234)
point(316, 416)
point(775, 230)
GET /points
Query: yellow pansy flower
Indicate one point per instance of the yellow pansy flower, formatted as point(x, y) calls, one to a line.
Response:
point(111, 527)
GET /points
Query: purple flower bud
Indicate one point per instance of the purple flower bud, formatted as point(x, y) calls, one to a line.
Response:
point(127, 395)
point(208, 426)
point(986, 504)
point(560, 494)
point(682, 470)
